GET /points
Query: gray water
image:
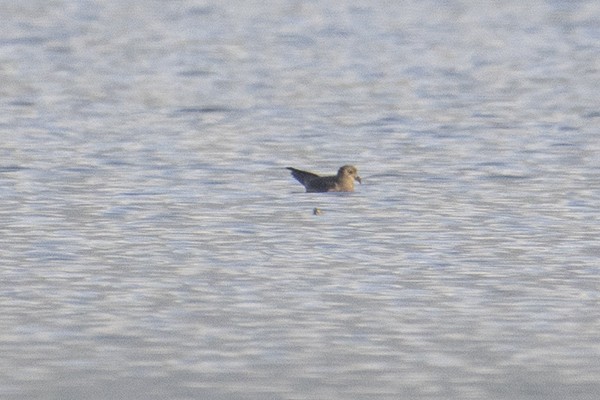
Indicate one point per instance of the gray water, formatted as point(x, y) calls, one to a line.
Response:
point(153, 246)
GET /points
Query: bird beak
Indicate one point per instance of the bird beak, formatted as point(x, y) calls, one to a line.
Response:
point(358, 179)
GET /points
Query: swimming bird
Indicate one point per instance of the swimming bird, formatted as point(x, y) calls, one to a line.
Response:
point(342, 182)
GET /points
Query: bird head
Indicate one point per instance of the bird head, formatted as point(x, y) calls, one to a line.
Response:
point(349, 171)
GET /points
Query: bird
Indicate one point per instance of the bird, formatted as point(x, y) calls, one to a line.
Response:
point(342, 182)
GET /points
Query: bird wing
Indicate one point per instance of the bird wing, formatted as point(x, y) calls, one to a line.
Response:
point(322, 184)
point(302, 176)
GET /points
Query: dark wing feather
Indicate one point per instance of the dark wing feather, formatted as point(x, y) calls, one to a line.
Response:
point(302, 176)
point(322, 184)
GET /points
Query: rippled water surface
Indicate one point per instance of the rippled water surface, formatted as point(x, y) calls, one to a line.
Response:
point(153, 246)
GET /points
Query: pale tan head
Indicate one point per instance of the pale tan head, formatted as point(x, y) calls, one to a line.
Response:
point(349, 171)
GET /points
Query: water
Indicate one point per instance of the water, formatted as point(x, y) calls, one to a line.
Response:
point(154, 246)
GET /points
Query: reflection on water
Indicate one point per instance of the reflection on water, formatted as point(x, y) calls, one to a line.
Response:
point(154, 246)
